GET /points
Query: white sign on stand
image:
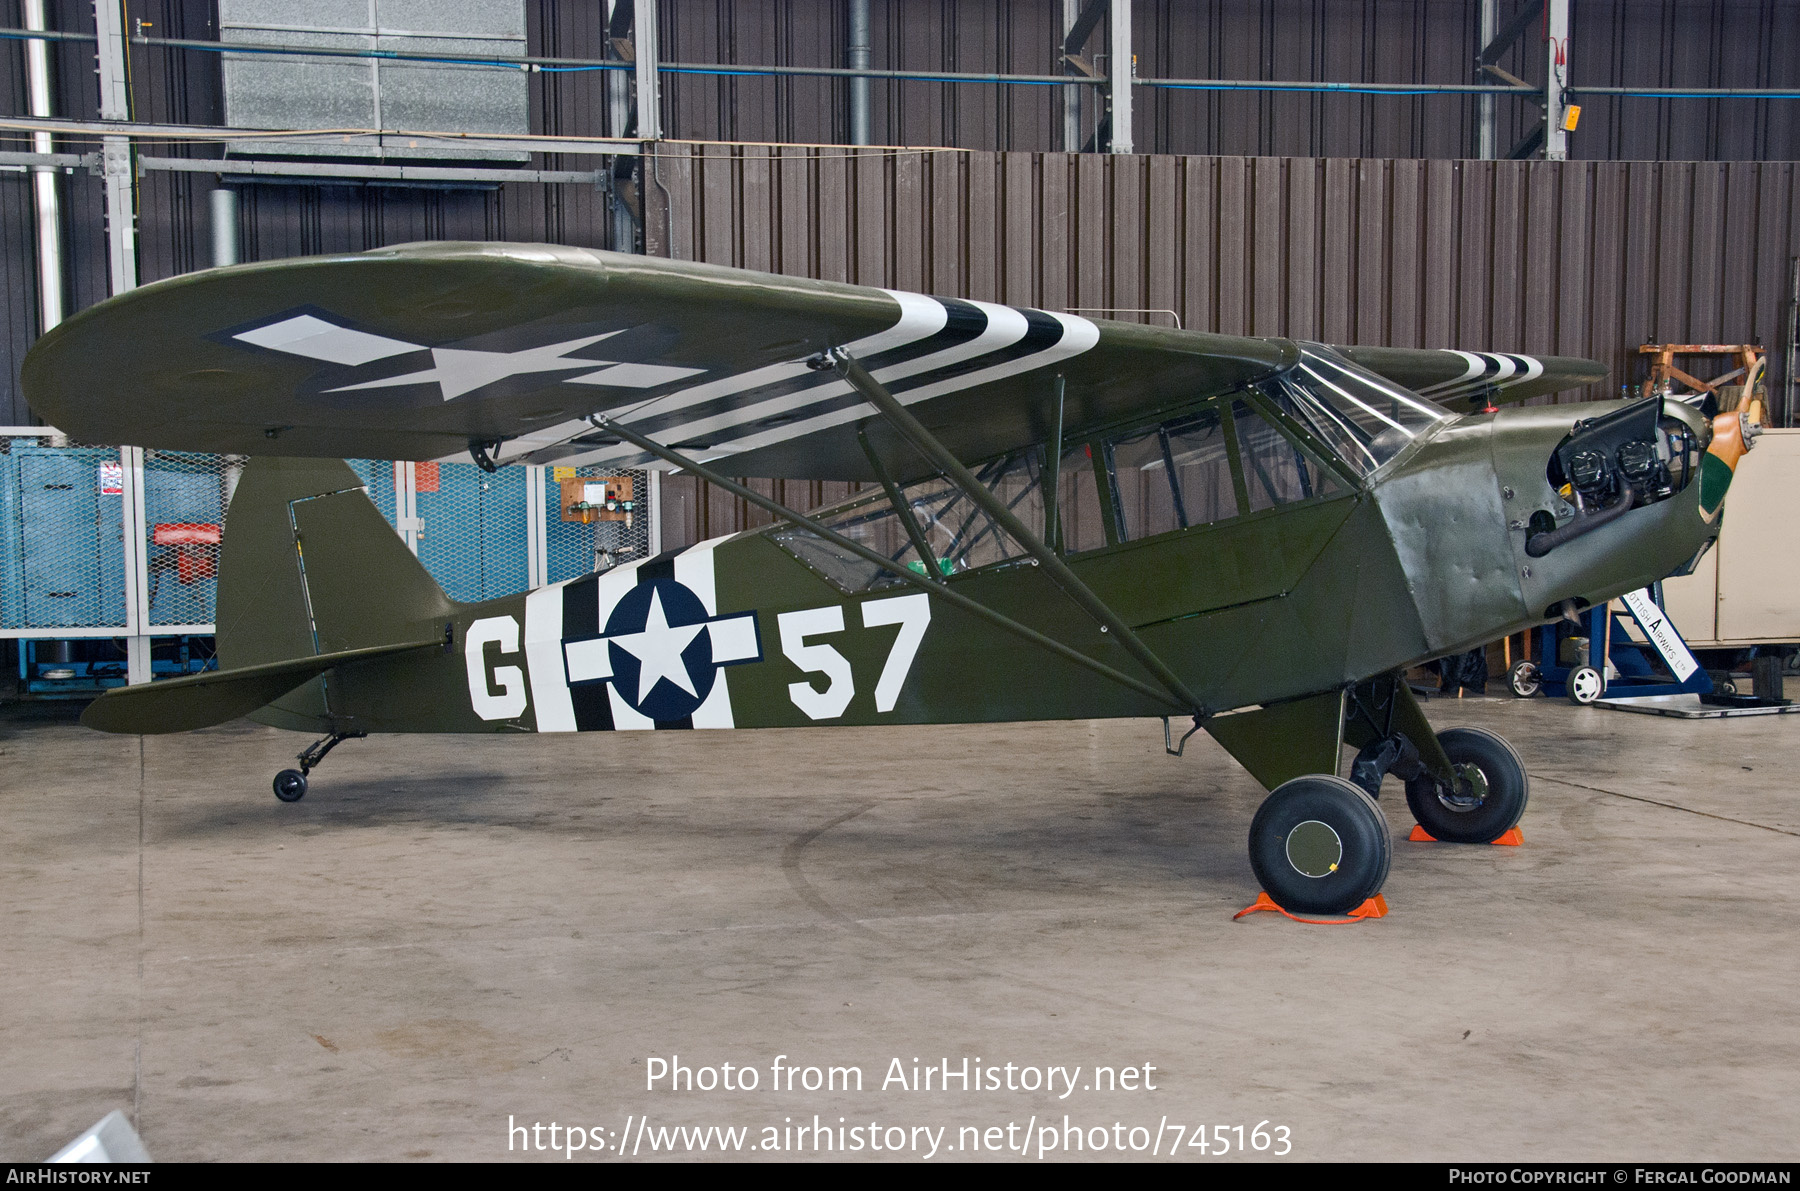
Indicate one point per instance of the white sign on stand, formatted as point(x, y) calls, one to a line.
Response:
point(1655, 623)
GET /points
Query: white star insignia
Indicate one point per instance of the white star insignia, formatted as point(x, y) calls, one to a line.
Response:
point(658, 650)
point(455, 370)
point(459, 370)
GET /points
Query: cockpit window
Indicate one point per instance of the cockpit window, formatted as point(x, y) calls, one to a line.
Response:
point(1173, 475)
point(959, 534)
point(1276, 471)
point(1225, 457)
point(1365, 418)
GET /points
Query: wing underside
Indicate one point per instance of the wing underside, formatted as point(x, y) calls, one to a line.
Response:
point(425, 351)
point(422, 351)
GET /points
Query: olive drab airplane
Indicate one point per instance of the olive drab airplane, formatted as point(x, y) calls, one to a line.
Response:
point(1066, 518)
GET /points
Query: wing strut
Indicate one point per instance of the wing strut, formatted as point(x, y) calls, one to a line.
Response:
point(936, 588)
point(940, 456)
point(902, 510)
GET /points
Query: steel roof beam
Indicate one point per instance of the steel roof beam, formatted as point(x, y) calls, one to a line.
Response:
point(1494, 50)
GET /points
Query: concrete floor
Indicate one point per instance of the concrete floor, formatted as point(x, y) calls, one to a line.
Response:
point(449, 933)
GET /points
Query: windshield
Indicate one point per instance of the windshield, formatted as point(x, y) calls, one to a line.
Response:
point(1367, 419)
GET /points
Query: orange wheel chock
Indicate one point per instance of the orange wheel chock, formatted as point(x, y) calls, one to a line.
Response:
point(1375, 907)
point(1510, 838)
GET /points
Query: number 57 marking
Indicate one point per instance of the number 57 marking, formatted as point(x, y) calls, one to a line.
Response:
point(911, 612)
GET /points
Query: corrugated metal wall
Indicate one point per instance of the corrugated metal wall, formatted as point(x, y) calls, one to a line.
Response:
point(1648, 43)
point(1577, 258)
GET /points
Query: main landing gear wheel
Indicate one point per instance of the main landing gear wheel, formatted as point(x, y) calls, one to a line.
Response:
point(290, 785)
point(1490, 794)
point(1524, 679)
point(1585, 684)
point(1319, 845)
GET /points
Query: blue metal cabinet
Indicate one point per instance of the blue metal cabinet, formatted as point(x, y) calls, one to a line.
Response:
point(61, 540)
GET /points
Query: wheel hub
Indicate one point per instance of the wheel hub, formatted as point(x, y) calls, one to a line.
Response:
point(1470, 791)
point(1314, 848)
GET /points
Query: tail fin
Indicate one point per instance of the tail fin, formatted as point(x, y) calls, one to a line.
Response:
point(308, 566)
point(311, 576)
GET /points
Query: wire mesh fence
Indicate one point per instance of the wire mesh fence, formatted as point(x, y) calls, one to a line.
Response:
point(383, 480)
point(473, 529)
point(185, 495)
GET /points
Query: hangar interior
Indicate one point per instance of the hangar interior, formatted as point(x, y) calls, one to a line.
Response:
point(1561, 178)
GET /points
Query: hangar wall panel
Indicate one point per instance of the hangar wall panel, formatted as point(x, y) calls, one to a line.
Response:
point(1577, 258)
point(1652, 43)
point(1644, 42)
point(1649, 43)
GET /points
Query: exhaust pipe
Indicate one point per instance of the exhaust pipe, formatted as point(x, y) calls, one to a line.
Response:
point(1540, 544)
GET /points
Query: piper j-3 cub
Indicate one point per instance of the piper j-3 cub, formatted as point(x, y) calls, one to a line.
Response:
point(1067, 518)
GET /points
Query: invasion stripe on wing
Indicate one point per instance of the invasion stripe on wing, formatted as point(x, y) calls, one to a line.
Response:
point(920, 318)
point(1017, 341)
point(1078, 335)
point(1487, 370)
point(970, 331)
point(1005, 327)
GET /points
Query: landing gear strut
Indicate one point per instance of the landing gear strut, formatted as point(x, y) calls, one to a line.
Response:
point(1490, 792)
point(290, 784)
point(1476, 800)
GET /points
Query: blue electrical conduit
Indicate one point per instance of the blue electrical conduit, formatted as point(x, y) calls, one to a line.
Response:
point(576, 65)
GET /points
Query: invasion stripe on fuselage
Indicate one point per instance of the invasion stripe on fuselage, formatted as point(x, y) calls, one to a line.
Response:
point(564, 621)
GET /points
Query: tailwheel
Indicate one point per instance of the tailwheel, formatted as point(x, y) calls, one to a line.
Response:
point(1489, 796)
point(1319, 845)
point(290, 785)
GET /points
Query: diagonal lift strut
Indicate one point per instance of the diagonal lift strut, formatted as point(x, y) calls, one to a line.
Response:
point(937, 588)
point(944, 460)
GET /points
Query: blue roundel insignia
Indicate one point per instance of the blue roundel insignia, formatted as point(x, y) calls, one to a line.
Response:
point(661, 650)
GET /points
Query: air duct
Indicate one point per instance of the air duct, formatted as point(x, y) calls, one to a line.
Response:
point(861, 58)
point(43, 178)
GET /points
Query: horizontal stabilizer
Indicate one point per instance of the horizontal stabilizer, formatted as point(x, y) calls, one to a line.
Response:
point(202, 700)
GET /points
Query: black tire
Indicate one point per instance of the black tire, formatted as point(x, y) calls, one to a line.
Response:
point(1584, 685)
point(290, 785)
point(1285, 838)
point(1494, 803)
point(1524, 679)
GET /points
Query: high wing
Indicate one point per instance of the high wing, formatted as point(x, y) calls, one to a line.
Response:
point(1467, 382)
point(425, 351)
